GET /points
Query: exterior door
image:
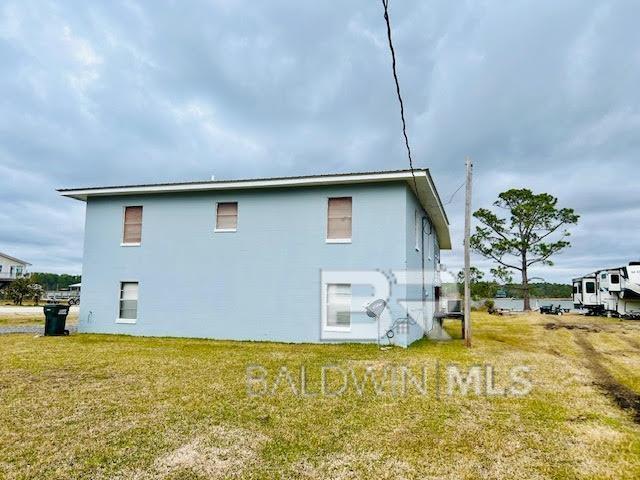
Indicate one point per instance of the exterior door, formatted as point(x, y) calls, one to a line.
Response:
point(577, 292)
point(589, 292)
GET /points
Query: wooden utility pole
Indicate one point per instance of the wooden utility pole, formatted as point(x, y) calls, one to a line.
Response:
point(467, 258)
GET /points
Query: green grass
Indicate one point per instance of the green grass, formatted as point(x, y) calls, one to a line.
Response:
point(7, 320)
point(19, 319)
point(100, 406)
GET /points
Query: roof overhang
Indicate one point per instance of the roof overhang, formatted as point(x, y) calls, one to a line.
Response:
point(426, 191)
point(17, 260)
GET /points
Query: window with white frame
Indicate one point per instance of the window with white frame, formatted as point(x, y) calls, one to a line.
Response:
point(132, 230)
point(227, 217)
point(338, 306)
point(128, 302)
point(339, 216)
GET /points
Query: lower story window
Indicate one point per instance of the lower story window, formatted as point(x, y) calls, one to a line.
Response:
point(338, 305)
point(128, 302)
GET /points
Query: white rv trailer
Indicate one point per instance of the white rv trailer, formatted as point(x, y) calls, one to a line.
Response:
point(612, 292)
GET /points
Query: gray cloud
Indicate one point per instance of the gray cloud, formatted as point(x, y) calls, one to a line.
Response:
point(542, 95)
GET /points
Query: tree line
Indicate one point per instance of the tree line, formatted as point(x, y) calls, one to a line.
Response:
point(54, 281)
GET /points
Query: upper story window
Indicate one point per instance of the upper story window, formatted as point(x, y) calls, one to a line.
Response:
point(132, 231)
point(339, 220)
point(227, 217)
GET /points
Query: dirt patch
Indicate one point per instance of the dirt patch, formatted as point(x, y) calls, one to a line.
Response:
point(221, 452)
point(626, 398)
point(573, 326)
point(352, 466)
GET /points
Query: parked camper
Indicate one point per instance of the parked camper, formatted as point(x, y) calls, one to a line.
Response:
point(612, 292)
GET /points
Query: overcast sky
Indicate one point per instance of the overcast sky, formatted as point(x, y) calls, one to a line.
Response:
point(541, 94)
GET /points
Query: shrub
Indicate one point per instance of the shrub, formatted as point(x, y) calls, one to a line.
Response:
point(490, 305)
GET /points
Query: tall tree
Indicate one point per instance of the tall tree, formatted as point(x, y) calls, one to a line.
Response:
point(526, 237)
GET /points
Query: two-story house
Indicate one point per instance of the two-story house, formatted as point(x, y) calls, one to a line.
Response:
point(291, 259)
point(11, 268)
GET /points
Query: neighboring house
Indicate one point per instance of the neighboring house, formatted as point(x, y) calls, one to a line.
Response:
point(263, 259)
point(11, 268)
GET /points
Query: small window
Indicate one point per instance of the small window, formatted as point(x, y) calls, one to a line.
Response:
point(417, 229)
point(132, 226)
point(339, 220)
point(590, 287)
point(615, 278)
point(0, 268)
point(603, 276)
point(128, 302)
point(580, 288)
point(575, 289)
point(338, 305)
point(227, 217)
point(19, 271)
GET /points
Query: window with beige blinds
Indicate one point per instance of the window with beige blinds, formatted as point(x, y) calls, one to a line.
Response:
point(227, 217)
point(339, 219)
point(132, 226)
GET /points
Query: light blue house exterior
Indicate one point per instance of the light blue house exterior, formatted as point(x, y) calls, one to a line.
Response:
point(268, 277)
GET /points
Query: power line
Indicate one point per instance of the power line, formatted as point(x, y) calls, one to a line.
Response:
point(454, 193)
point(385, 5)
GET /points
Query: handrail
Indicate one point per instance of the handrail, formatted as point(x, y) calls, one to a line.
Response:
point(14, 275)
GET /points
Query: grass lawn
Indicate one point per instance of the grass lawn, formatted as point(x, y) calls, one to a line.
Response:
point(16, 318)
point(103, 407)
point(11, 320)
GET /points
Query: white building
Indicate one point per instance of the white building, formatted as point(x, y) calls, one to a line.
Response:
point(11, 268)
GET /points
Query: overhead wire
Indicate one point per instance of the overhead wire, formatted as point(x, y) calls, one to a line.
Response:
point(385, 5)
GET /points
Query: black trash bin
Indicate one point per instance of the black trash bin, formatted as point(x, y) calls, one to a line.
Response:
point(55, 317)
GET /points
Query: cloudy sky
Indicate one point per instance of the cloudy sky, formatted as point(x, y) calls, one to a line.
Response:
point(540, 94)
